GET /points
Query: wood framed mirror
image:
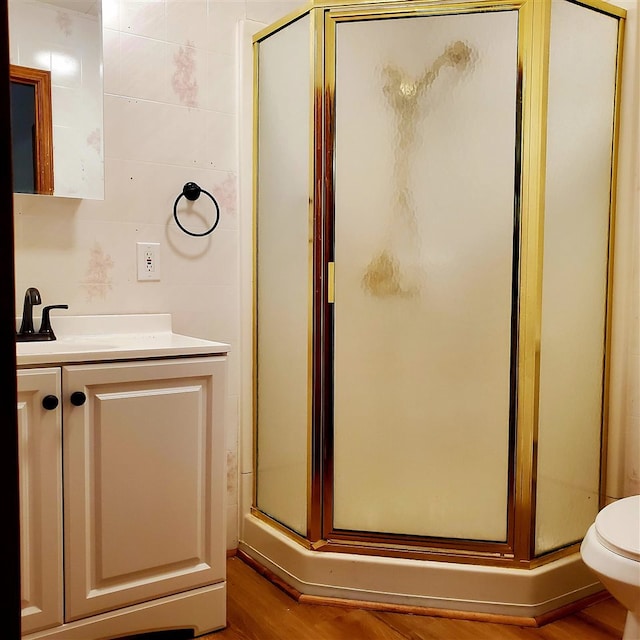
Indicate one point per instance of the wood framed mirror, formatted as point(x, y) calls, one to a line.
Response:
point(31, 130)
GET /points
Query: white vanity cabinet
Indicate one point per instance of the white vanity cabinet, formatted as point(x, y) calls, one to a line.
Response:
point(135, 453)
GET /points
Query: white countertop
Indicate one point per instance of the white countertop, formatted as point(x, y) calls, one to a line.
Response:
point(112, 337)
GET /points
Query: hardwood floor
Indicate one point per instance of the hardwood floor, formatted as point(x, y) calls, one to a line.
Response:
point(259, 610)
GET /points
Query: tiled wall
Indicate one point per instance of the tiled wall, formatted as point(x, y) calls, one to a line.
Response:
point(170, 110)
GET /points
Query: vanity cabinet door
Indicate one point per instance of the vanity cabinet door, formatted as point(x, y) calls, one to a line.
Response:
point(143, 479)
point(40, 460)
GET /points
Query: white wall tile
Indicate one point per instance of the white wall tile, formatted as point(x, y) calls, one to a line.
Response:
point(188, 69)
point(144, 18)
point(149, 78)
point(111, 61)
point(268, 11)
point(157, 132)
point(209, 261)
point(222, 19)
point(220, 90)
point(187, 23)
point(111, 14)
point(221, 141)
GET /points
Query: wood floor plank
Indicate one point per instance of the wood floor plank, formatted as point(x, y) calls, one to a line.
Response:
point(433, 628)
point(608, 615)
point(356, 623)
point(259, 610)
point(573, 628)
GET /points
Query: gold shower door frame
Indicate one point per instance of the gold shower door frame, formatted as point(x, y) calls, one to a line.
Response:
point(534, 18)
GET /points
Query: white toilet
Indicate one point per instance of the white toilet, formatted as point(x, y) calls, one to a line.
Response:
point(611, 549)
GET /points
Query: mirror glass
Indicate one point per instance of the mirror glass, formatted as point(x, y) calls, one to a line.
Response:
point(64, 37)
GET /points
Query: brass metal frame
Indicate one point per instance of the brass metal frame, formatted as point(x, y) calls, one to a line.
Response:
point(534, 64)
point(529, 204)
point(326, 354)
point(254, 271)
point(316, 436)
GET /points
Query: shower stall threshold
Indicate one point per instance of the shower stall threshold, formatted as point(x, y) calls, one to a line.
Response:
point(525, 597)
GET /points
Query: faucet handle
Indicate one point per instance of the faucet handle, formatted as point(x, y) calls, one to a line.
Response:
point(45, 326)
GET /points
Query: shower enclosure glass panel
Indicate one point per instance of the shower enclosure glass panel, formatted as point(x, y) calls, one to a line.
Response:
point(424, 273)
point(582, 79)
point(283, 275)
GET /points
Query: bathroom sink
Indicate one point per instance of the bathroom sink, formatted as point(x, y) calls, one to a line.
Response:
point(82, 339)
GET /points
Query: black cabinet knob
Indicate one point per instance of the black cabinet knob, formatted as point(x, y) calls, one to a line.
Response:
point(78, 398)
point(49, 402)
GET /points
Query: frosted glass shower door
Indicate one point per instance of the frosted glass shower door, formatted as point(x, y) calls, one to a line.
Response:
point(582, 86)
point(425, 139)
point(283, 276)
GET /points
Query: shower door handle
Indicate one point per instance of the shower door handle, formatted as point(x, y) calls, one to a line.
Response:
point(331, 282)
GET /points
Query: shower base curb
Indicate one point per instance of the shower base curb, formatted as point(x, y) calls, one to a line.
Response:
point(538, 621)
point(524, 597)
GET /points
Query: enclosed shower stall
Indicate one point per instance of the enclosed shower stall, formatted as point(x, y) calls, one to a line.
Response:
point(434, 207)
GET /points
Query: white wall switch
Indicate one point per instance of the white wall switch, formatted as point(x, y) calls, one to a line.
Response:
point(148, 260)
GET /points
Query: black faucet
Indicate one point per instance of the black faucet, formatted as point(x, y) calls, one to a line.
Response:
point(26, 331)
point(31, 298)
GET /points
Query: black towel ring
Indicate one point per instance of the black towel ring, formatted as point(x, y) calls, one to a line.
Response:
point(191, 191)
